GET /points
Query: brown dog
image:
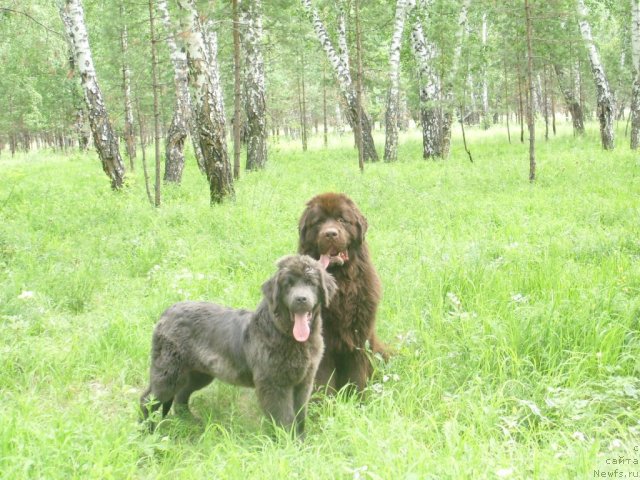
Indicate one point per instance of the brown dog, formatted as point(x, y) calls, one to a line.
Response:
point(332, 230)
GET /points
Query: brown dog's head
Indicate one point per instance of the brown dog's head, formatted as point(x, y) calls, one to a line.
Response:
point(296, 293)
point(331, 229)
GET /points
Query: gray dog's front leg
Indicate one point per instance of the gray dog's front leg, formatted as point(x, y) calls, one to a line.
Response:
point(301, 394)
point(277, 403)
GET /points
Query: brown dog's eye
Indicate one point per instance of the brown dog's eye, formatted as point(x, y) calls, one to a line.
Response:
point(342, 220)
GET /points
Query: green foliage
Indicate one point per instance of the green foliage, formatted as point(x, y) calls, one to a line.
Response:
point(513, 310)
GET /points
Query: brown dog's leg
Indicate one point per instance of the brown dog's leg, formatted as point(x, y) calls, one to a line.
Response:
point(277, 403)
point(354, 368)
point(326, 374)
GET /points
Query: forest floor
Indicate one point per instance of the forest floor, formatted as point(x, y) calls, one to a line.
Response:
point(513, 310)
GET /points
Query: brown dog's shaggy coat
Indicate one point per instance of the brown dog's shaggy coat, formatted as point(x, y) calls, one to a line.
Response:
point(332, 229)
point(275, 349)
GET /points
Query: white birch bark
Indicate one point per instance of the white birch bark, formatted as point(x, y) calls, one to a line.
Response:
point(341, 69)
point(104, 139)
point(255, 104)
point(177, 133)
point(606, 102)
point(485, 81)
point(129, 135)
point(447, 116)
point(391, 115)
point(635, 58)
point(209, 111)
point(424, 52)
point(343, 48)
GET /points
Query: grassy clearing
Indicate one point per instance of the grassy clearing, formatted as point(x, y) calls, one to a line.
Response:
point(514, 311)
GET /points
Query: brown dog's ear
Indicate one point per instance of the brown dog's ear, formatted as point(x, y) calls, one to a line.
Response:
point(362, 224)
point(302, 225)
point(329, 286)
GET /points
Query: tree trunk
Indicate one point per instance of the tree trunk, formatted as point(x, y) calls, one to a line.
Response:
point(237, 91)
point(129, 135)
point(359, 137)
point(209, 111)
point(254, 86)
point(341, 69)
point(104, 139)
point(177, 133)
point(606, 102)
point(635, 58)
point(325, 127)
point(567, 87)
point(391, 115)
point(447, 118)
point(430, 116)
point(156, 109)
point(486, 122)
point(530, 115)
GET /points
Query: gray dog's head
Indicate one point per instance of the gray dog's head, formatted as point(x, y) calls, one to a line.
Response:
point(296, 293)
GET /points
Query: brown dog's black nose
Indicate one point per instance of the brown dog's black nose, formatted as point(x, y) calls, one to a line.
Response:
point(331, 233)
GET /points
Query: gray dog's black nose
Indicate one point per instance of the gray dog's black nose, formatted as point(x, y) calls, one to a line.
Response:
point(331, 233)
point(302, 299)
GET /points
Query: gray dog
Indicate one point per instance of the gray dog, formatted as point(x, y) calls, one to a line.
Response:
point(275, 349)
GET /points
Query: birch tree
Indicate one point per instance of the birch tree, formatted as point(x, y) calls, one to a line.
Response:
point(635, 58)
point(209, 111)
point(104, 139)
point(177, 133)
point(255, 105)
point(430, 117)
point(340, 65)
point(129, 136)
point(606, 102)
point(447, 116)
point(393, 94)
point(571, 98)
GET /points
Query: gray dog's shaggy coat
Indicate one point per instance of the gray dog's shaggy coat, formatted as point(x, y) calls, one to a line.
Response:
point(275, 349)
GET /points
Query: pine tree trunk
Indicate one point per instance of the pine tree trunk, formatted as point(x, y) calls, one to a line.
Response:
point(391, 115)
point(104, 138)
point(129, 135)
point(177, 133)
point(341, 69)
point(530, 112)
point(156, 109)
point(570, 99)
point(635, 59)
point(430, 117)
point(606, 102)
point(209, 111)
point(254, 86)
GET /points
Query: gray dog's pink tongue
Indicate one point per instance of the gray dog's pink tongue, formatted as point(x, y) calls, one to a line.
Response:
point(301, 330)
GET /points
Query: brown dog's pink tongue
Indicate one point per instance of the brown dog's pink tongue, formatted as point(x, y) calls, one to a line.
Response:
point(325, 260)
point(301, 330)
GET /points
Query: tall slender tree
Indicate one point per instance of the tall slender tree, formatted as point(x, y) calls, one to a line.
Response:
point(393, 94)
point(255, 104)
point(606, 102)
point(237, 90)
point(635, 58)
point(209, 111)
point(340, 65)
point(129, 135)
point(177, 133)
point(156, 108)
point(104, 138)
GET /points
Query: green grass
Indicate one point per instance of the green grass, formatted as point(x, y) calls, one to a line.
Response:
point(513, 309)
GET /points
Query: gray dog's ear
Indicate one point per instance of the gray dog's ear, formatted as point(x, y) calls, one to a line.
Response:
point(329, 286)
point(270, 291)
point(282, 261)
